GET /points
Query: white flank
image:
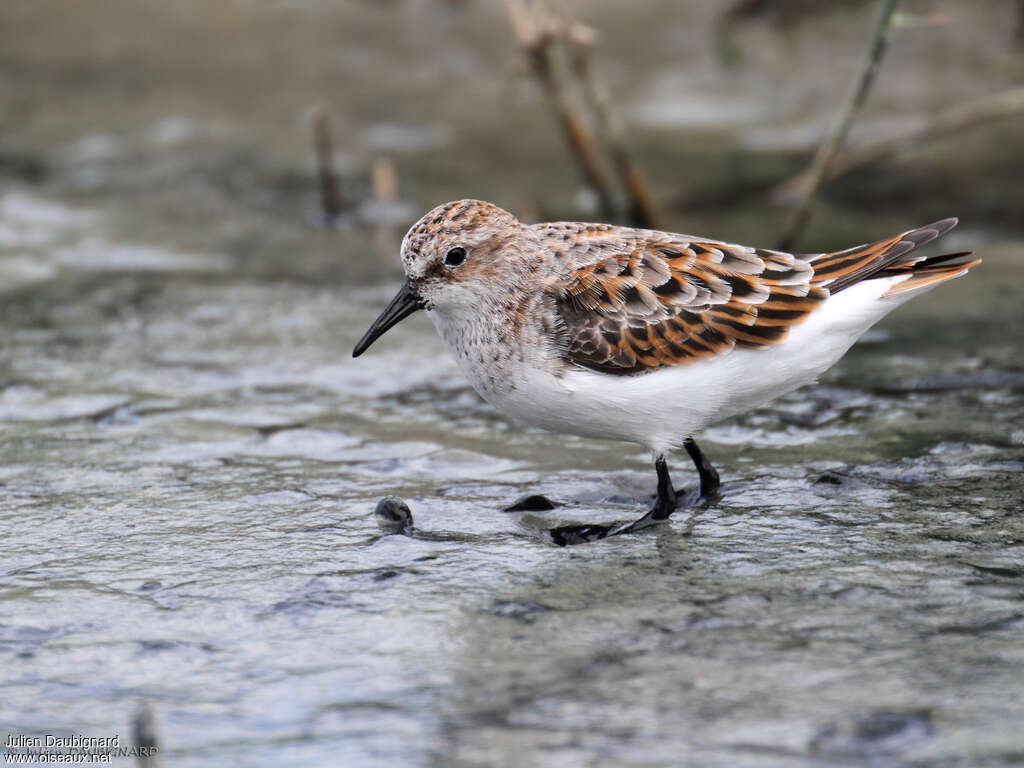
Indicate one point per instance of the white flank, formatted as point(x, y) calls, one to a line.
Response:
point(662, 408)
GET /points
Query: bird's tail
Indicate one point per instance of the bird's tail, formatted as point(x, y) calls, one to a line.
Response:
point(891, 258)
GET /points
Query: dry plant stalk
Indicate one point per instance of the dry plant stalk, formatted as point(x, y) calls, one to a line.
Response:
point(540, 30)
point(824, 158)
point(331, 201)
point(997, 107)
point(643, 211)
point(384, 179)
point(536, 34)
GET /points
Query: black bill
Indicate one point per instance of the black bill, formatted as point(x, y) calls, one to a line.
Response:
point(404, 304)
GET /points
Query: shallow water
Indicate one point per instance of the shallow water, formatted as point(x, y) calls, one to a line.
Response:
point(190, 465)
point(190, 459)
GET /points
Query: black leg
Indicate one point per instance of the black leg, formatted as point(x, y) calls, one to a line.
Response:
point(666, 502)
point(709, 481)
point(664, 505)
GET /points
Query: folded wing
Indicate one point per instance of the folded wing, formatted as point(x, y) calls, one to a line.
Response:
point(640, 300)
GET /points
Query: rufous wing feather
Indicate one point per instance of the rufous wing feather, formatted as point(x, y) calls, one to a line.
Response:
point(639, 300)
point(642, 300)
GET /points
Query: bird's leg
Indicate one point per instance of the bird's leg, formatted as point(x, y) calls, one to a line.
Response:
point(665, 503)
point(709, 481)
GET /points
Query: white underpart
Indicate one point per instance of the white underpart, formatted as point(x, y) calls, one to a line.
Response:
point(662, 408)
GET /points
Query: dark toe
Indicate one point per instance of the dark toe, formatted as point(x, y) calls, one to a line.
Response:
point(567, 535)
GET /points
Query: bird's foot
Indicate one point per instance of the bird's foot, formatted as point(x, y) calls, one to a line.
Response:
point(566, 535)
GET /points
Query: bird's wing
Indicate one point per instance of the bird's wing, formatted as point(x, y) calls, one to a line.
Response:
point(633, 301)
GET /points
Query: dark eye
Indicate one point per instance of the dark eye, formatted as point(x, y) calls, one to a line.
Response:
point(455, 256)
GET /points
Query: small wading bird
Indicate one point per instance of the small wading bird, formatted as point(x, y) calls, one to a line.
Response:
point(638, 335)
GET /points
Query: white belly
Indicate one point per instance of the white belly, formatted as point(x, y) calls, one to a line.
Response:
point(662, 408)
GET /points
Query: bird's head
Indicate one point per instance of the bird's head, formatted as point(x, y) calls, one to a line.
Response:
point(462, 257)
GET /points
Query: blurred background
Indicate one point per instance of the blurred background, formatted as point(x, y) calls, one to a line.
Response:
point(192, 124)
point(201, 204)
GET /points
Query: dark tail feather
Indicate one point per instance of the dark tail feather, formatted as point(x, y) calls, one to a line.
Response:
point(836, 271)
point(928, 272)
point(930, 263)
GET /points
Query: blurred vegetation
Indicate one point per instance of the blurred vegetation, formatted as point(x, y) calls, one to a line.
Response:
point(201, 124)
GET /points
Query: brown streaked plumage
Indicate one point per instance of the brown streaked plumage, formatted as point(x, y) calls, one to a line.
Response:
point(639, 300)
